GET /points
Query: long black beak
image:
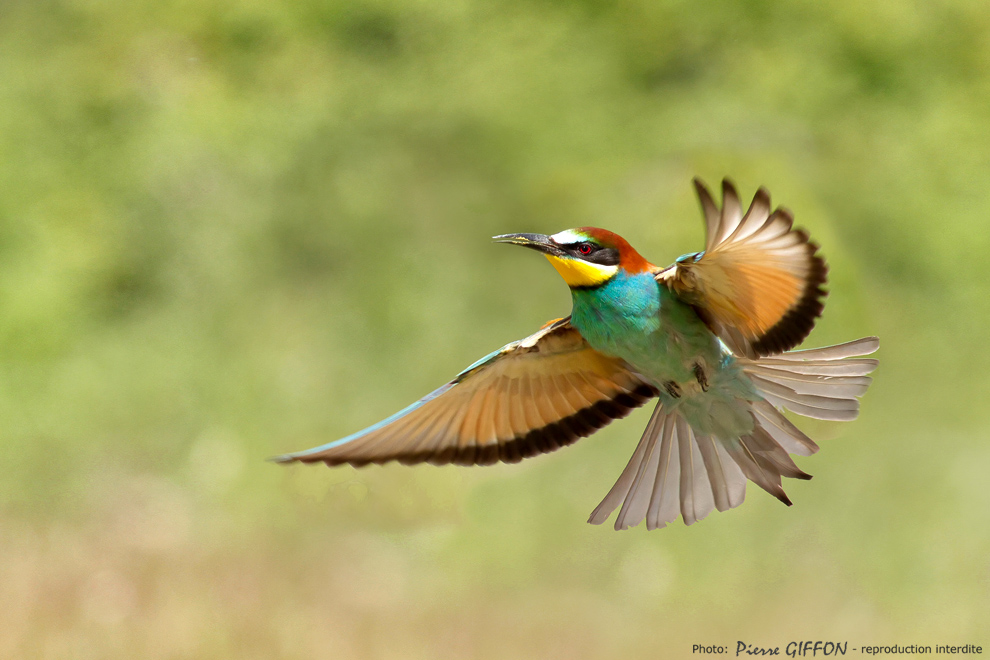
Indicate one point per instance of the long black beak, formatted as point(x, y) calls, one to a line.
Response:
point(539, 242)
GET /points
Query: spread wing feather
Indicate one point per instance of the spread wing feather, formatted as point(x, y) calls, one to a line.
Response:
point(758, 284)
point(529, 397)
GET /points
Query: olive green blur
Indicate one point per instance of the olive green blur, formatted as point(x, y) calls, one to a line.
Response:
point(230, 230)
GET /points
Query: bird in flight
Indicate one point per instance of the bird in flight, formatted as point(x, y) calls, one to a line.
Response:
point(710, 337)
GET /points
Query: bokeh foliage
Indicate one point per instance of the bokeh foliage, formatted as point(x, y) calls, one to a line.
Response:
point(234, 229)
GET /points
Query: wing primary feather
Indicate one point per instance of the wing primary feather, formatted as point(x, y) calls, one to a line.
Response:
point(757, 217)
point(731, 212)
point(533, 418)
point(500, 413)
point(486, 418)
point(517, 417)
point(543, 398)
point(509, 452)
point(486, 421)
point(487, 455)
point(542, 442)
point(427, 438)
point(710, 210)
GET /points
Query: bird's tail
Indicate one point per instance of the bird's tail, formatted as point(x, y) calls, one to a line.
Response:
point(675, 469)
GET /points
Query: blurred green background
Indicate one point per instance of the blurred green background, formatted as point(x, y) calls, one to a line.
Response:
point(234, 229)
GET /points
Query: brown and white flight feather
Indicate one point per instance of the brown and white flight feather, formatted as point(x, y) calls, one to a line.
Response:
point(758, 285)
point(532, 396)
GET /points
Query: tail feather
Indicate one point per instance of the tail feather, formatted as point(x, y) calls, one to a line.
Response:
point(854, 348)
point(760, 472)
point(674, 471)
point(728, 481)
point(677, 470)
point(809, 405)
point(771, 455)
point(622, 486)
point(831, 386)
point(638, 499)
point(666, 495)
point(788, 436)
point(697, 499)
point(820, 383)
point(850, 367)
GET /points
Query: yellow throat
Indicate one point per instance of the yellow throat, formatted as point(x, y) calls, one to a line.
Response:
point(579, 273)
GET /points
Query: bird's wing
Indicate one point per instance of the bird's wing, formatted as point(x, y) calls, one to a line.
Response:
point(530, 397)
point(758, 284)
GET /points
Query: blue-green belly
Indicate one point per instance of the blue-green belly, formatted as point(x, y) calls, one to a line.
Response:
point(637, 319)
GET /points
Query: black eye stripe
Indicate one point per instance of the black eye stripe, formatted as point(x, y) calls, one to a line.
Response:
point(604, 256)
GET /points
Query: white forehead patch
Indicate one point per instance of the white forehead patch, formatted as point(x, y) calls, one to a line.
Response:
point(567, 236)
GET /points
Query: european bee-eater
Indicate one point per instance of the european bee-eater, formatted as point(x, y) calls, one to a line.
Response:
point(706, 336)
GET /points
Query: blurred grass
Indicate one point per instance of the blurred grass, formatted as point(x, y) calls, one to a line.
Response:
point(230, 230)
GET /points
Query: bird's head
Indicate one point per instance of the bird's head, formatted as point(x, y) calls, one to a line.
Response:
point(586, 257)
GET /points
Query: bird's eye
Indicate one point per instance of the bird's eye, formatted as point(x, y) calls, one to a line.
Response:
point(586, 248)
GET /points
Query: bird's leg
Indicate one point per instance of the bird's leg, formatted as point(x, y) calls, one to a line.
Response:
point(701, 376)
